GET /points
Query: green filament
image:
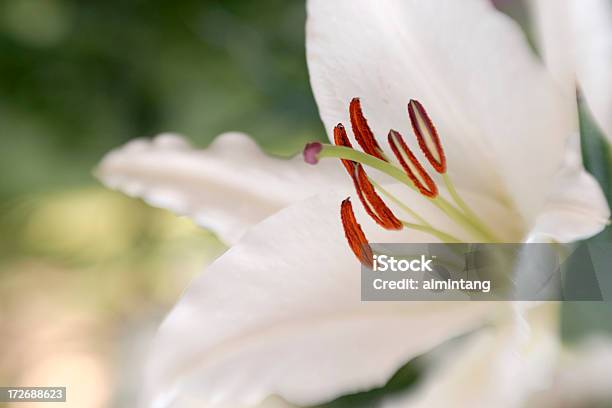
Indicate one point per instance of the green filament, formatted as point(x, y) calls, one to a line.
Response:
point(466, 219)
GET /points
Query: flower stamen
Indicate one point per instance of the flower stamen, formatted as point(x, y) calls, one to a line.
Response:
point(342, 139)
point(427, 135)
point(411, 173)
point(363, 133)
point(354, 234)
point(372, 203)
point(414, 170)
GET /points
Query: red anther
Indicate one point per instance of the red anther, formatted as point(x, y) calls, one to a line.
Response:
point(414, 170)
point(354, 234)
point(427, 135)
point(363, 133)
point(340, 136)
point(373, 204)
point(341, 139)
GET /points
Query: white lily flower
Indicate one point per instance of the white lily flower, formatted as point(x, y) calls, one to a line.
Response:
point(280, 312)
point(575, 37)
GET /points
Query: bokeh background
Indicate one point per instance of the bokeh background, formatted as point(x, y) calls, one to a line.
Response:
point(87, 274)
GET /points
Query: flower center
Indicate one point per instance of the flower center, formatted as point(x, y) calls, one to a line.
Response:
point(409, 172)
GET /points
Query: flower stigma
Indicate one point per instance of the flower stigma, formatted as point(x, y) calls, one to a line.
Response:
point(311, 151)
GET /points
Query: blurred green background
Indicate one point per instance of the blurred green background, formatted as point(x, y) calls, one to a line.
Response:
point(79, 78)
point(86, 274)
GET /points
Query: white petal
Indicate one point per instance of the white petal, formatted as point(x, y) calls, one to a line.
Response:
point(501, 117)
point(227, 187)
point(499, 367)
point(555, 41)
point(280, 313)
point(583, 378)
point(575, 38)
point(576, 207)
point(593, 39)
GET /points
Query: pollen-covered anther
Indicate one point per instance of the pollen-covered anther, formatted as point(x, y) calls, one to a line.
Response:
point(363, 133)
point(354, 234)
point(414, 170)
point(427, 135)
point(342, 139)
point(372, 203)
